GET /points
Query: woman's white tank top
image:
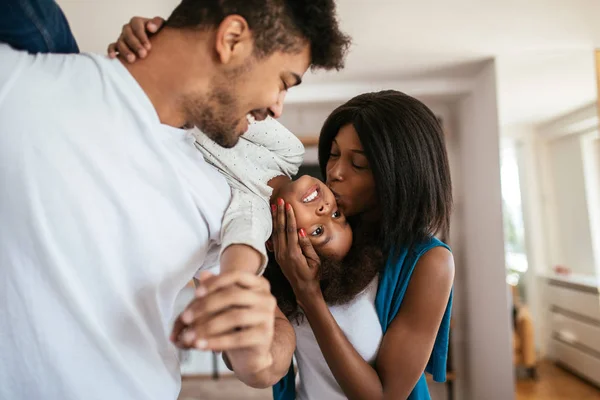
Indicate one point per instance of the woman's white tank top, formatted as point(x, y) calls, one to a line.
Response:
point(359, 322)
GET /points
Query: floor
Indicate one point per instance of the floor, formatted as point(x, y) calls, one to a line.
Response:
point(555, 384)
point(227, 388)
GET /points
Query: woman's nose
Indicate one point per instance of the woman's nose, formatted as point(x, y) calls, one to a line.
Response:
point(335, 172)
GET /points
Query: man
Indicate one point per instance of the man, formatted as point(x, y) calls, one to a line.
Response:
point(108, 210)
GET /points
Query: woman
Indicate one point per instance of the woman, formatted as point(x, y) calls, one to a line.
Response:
point(384, 158)
point(365, 330)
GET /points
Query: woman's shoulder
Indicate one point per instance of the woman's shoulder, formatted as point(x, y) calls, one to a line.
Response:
point(429, 244)
point(438, 259)
point(431, 255)
point(418, 249)
point(434, 252)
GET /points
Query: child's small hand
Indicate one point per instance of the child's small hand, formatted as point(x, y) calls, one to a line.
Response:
point(134, 40)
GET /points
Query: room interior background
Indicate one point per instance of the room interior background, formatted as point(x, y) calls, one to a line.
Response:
point(515, 86)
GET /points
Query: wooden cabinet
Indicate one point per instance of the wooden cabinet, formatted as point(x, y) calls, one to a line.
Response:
point(575, 326)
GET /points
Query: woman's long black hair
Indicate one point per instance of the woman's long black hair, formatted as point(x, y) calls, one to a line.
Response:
point(404, 144)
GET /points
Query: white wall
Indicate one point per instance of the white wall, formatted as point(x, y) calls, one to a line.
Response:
point(564, 148)
point(559, 188)
point(489, 354)
point(306, 119)
point(96, 23)
point(527, 144)
point(571, 244)
point(591, 148)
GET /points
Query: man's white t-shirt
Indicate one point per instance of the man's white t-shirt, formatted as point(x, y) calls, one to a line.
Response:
point(105, 215)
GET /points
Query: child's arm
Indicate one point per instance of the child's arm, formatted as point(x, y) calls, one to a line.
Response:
point(246, 227)
point(241, 257)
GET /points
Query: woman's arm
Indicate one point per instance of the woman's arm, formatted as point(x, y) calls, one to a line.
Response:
point(408, 343)
point(409, 340)
point(37, 26)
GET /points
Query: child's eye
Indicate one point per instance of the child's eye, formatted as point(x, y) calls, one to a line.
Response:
point(317, 232)
point(336, 214)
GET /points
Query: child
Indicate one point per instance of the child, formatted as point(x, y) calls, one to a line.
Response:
point(259, 170)
point(268, 150)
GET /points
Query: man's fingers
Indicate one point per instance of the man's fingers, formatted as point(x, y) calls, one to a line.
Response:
point(178, 327)
point(239, 278)
point(204, 276)
point(235, 340)
point(224, 323)
point(218, 302)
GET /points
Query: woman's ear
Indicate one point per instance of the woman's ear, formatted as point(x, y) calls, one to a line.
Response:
point(269, 245)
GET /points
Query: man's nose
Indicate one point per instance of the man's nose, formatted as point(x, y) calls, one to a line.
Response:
point(277, 109)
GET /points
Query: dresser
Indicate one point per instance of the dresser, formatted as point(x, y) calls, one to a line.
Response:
point(574, 322)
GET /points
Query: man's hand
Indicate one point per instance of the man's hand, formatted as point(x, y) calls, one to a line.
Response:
point(233, 312)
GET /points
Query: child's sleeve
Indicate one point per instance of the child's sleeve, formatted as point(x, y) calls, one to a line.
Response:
point(286, 149)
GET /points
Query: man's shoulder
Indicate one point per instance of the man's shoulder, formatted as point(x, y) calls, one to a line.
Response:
point(53, 68)
point(59, 82)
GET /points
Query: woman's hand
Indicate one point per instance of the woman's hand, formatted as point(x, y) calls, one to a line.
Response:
point(295, 255)
point(133, 41)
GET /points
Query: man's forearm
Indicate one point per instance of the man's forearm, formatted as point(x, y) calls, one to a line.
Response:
point(265, 370)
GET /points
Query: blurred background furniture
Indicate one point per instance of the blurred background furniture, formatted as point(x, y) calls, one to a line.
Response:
point(524, 352)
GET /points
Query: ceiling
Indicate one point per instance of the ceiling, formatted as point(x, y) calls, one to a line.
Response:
point(543, 48)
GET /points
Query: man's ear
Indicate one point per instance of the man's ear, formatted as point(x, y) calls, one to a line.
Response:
point(233, 40)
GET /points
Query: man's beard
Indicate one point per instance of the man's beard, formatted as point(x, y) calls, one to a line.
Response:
point(214, 116)
point(217, 114)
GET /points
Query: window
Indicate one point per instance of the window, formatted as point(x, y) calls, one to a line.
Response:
point(514, 231)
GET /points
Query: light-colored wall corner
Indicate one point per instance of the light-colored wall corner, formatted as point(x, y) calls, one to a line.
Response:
point(489, 351)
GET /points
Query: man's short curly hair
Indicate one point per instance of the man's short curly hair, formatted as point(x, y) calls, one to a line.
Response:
point(277, 25)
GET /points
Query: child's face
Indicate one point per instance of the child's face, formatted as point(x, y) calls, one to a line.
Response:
point(317, 213)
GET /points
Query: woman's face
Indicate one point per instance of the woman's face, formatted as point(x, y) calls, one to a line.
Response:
point(317, 213)
point(349, 175)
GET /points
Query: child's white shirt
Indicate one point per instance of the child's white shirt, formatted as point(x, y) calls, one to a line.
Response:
point(265, 151)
